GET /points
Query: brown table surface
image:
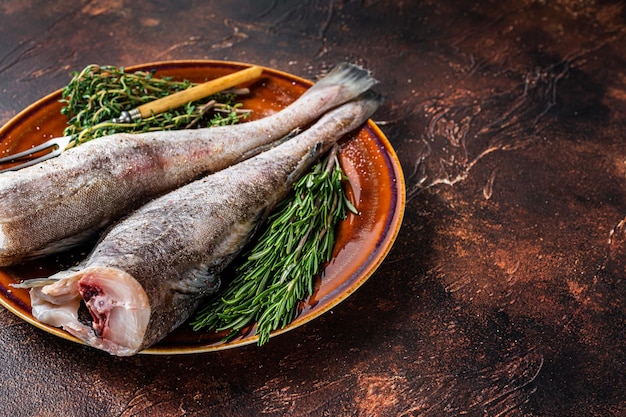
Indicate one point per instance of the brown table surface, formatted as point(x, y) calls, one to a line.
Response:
point(504, 293)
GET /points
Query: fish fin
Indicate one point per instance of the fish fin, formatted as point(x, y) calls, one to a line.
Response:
point(35, 283)
point(260, 149)
point(66, 243)
point(204, 280)
point(52, 279)
point(305, 163)
point(200, 281)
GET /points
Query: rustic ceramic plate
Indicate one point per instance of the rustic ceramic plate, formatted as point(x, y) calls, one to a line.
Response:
point(376, 187)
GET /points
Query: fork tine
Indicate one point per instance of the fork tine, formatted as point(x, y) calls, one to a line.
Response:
point(27, 163)
point(27, 152)
point(60, 143)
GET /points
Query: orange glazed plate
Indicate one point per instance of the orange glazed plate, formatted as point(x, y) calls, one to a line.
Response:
point(376, 187)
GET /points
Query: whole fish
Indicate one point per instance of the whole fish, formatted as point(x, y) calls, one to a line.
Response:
point(63, 201)
point(151, 270)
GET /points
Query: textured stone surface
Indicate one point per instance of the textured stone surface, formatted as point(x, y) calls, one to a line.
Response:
point(505, 292)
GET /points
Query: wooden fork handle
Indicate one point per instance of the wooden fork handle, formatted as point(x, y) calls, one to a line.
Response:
point(199, 91)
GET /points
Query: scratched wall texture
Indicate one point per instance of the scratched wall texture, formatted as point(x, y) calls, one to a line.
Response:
point(505, 291)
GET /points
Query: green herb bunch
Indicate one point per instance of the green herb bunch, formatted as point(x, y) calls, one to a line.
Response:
point(98, 94)
point(280, 270)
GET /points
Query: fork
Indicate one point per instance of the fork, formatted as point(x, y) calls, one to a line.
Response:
point(60, 144)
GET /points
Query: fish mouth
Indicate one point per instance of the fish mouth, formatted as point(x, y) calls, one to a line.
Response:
point(117, 303)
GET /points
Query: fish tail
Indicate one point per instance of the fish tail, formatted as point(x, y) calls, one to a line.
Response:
point(351, 79)
point(352, 114)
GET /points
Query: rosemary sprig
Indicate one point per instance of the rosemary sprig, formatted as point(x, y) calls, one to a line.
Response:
point(280, 270)
point(98, 93)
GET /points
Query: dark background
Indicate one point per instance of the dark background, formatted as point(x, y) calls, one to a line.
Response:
point(504, 294)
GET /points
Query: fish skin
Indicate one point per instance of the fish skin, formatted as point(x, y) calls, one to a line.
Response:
point(64, 201)
point(175, 246)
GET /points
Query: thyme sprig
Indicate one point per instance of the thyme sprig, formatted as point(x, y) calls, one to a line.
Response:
point(100, 93)
point(280, 270)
